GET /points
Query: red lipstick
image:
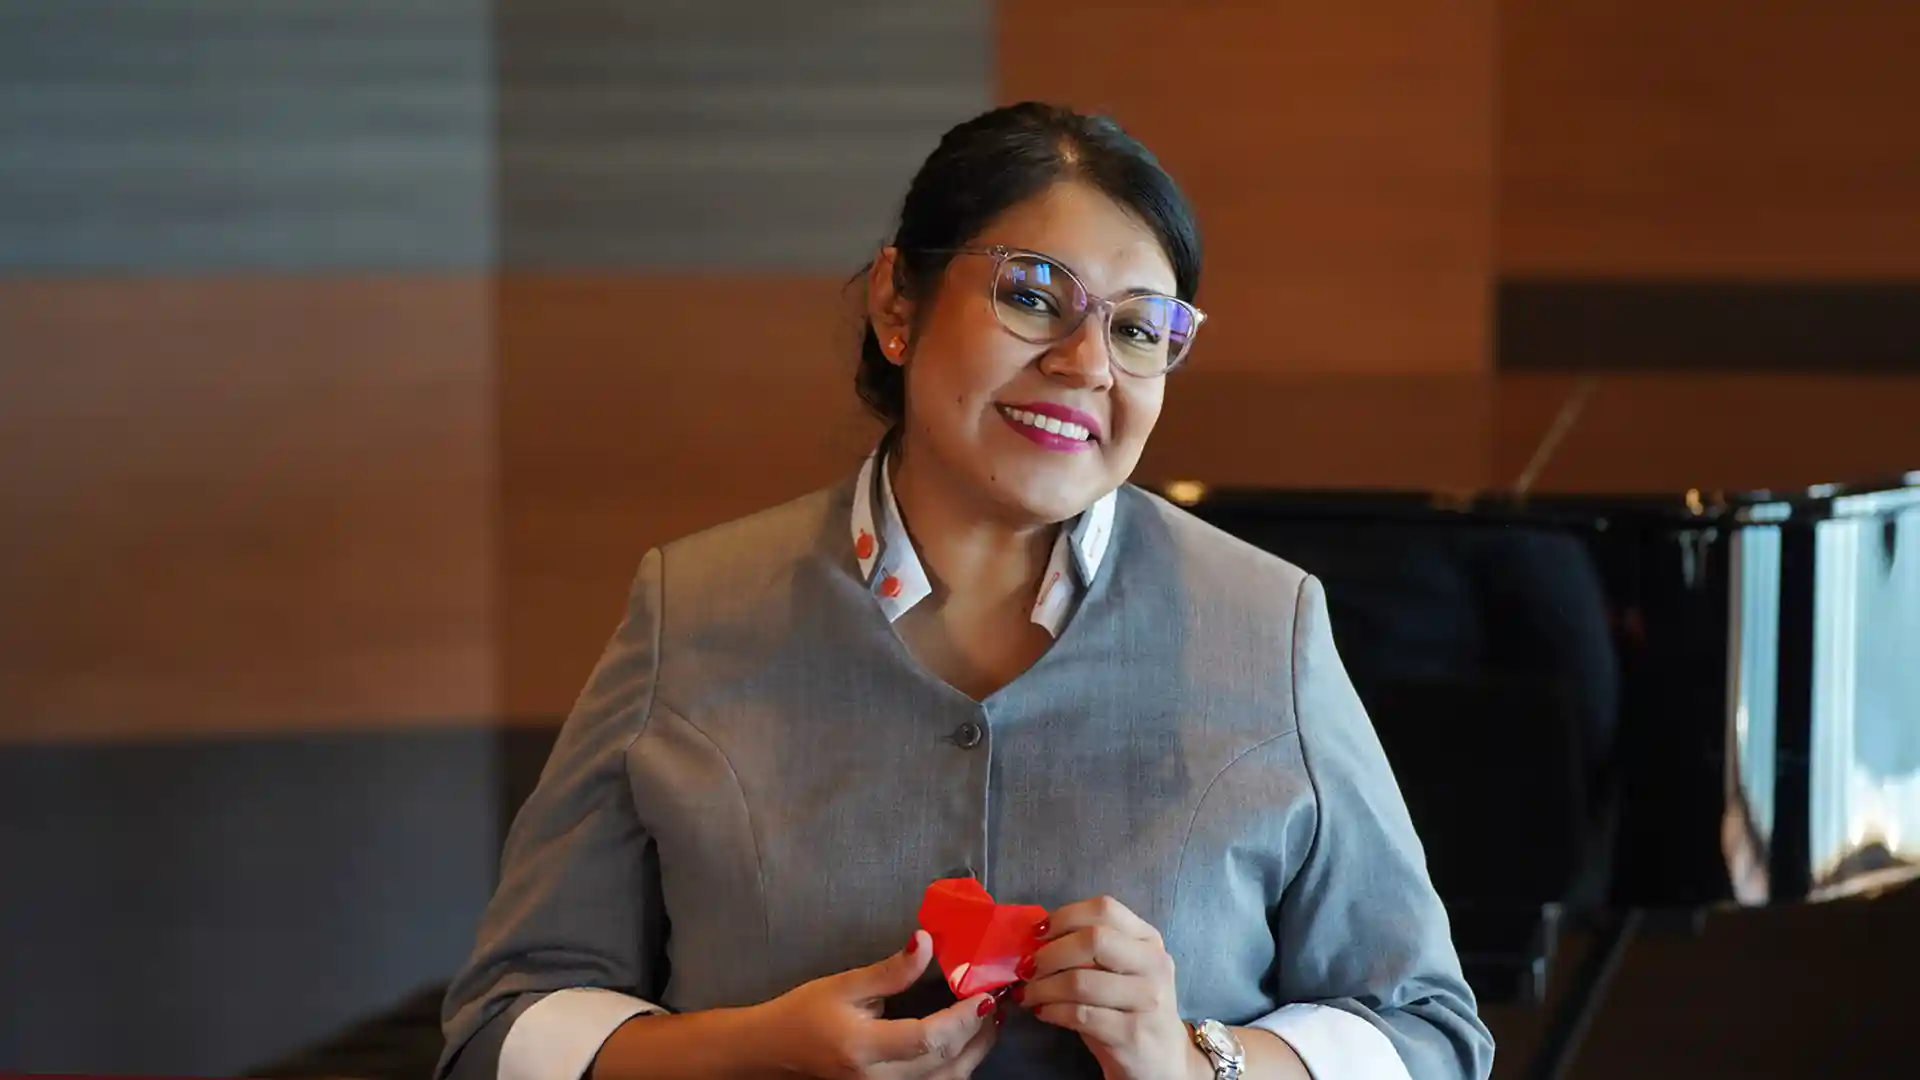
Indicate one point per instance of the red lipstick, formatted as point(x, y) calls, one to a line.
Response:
point(1018, 415)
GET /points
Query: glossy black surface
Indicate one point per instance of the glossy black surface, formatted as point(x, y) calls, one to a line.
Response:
point(1655, 702)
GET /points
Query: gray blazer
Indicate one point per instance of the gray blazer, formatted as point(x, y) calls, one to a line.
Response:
point(759, 780)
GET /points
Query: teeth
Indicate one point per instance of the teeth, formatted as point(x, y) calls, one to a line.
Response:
point(1049, 424)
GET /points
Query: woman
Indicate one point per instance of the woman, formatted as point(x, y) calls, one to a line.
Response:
point(984, 654)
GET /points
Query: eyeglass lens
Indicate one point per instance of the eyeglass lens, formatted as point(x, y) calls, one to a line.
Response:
point(1041, 302)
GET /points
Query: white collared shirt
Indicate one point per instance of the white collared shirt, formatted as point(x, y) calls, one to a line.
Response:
point(893, 572)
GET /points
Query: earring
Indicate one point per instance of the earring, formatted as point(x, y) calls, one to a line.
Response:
point(895, 344)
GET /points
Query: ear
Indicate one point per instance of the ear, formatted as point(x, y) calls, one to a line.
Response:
point(888, 309)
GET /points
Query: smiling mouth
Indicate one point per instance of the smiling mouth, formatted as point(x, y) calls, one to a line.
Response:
point(1063, 428)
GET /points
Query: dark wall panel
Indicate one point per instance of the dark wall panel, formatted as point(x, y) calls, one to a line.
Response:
point(204, 135)
point(727, 134)
point(192, 908)
point(1819, 327)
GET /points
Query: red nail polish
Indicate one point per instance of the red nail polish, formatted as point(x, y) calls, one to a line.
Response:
point(1040, 931)
point(986, 1006)
point(1026, 967)
point(913, 944)
point(1019, 995)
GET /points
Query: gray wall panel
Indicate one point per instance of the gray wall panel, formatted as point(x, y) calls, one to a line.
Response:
point(206, 135)
point(749, 134)
point(194, 908)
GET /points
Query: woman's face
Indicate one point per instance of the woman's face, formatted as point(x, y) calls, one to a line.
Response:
point(973, 388)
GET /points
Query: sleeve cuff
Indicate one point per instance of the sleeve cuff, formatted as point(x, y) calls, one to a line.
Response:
point(558, 1036)
point(1334, 1044)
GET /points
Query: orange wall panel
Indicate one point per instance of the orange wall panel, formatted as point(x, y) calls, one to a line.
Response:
point(1340, 158)
point(637, 409)
point(1718, 138)
point(238, 505)
point(1668, 433)
point(1323, 431)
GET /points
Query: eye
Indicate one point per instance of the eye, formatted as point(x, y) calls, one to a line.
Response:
point(1038, 301)
point(1030, 299)
point(1027, 285)
point(1134, 332)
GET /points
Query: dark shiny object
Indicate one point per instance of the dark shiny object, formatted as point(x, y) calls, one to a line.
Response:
point(1601, 705)
point(968, 735)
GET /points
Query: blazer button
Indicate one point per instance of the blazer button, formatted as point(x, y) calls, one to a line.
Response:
point(968, 735)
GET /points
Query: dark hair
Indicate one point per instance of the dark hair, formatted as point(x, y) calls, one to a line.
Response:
point(996, 160)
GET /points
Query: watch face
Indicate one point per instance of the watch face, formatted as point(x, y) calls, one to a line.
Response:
point(1220, 1041)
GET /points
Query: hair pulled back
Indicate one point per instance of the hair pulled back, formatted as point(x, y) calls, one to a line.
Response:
point(991, 163)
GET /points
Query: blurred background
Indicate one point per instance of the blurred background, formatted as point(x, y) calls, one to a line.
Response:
point(352, 353)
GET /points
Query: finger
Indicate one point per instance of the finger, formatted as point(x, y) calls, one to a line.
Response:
point(895, 974)
point(971, 1055)
point(1108, 1026)
point(1086, 986)
point(1100, 947)
point(938, 1036)
point(1099, 911)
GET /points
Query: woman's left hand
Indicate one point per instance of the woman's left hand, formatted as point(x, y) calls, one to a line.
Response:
point(1104, 973)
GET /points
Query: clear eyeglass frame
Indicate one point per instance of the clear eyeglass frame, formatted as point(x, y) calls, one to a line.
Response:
point(1002, 254)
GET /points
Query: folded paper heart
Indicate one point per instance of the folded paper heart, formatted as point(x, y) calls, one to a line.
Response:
point(978, 943)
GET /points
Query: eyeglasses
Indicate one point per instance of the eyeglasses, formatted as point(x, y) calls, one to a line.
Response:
point(1040, 301)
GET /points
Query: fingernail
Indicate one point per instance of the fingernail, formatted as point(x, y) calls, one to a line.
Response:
point(1019, 995)
point(1040, 930)
point(986, 1005)
point(913, 944)
point(1026, 967)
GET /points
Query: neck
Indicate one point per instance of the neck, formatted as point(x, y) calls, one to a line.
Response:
point(972, 556)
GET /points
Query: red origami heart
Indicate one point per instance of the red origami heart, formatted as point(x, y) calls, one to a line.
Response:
point(977, 942)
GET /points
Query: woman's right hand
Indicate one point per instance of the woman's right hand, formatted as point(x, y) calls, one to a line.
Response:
point(831, 1028)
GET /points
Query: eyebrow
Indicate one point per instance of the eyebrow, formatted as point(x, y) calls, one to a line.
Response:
point(1123, 294)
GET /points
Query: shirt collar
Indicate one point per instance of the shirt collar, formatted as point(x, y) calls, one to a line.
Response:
point(893, 573)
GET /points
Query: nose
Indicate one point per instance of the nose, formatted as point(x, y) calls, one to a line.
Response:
point(1084, 358)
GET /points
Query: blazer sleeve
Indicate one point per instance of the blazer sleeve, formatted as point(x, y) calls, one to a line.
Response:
point(1366, 956)
point(573, 942)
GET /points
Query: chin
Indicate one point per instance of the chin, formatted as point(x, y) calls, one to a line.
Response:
point(1043, 498)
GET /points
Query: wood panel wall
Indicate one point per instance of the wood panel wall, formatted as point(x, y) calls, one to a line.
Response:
point(1656, 433)
point(1684, 172)
point(684, 192)
point(1364, 178)
point(638, 408)
point(245, 379)
point(1341, 161)
point(331, 403)
point(1363, 188)
point(1715, 138)
point(244, 504)
point(1341, 158)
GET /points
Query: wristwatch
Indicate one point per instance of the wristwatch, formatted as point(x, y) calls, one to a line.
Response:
point(1218, 1042)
